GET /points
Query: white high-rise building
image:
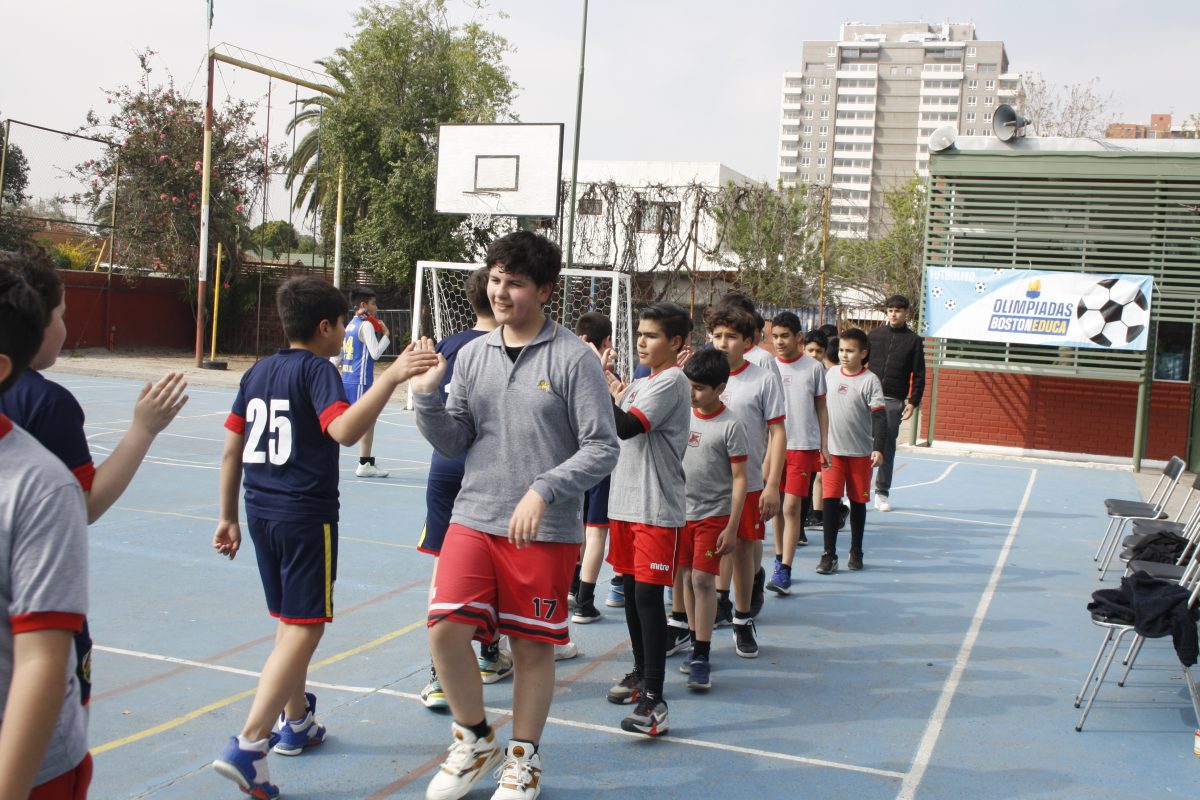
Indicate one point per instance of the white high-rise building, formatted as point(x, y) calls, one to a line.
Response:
point(857, 117)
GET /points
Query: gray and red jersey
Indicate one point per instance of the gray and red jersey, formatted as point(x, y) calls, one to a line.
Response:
point(755, 396)
point(43, 574)
point(762, 357)
point(850, 400)
point(803, 381)
point(648, 483)
point(715, 441)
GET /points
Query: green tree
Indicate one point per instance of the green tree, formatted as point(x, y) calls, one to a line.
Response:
point(14, 229)
point(156, 135)
point(772, 237)
point(888, 264)
point(407, 70)
point(275, 236)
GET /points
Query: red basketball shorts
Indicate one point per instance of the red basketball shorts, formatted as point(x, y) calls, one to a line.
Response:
point(698, 544)
point(849, 473)
point(750, 526)
point(485, 581)
point(649, 553)
point(798, 470)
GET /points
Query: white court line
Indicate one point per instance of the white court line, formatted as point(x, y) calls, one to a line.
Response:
point(938, 479)
point(728, 748)
point(966, 460)
point(397, 424)
point(933, 729)
point(951, 519)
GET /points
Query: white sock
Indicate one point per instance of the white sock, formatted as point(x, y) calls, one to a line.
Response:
point(248, 744)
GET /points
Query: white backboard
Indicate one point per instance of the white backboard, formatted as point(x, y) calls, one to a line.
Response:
point(510, 169)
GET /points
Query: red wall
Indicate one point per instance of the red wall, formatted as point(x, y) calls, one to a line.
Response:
point(150, 312)
point(1063, 414)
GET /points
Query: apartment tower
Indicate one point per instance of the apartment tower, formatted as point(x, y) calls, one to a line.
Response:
point(858, 117)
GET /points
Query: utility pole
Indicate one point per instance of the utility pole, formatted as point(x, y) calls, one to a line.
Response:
point(575, 148)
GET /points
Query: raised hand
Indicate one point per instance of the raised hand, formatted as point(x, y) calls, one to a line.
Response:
point(158, 404)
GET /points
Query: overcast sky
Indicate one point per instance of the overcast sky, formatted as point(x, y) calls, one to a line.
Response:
point(666, 79)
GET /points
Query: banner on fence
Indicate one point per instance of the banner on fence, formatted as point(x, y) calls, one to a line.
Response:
point(1064, 309)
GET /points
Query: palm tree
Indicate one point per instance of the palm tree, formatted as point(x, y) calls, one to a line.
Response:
point(305, 160)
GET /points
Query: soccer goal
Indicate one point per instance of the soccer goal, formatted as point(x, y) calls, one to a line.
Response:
point(440, 305)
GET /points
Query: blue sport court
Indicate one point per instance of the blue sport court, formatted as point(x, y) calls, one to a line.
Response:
point(945, 669)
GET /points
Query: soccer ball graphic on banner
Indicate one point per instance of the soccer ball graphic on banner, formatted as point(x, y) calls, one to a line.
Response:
point(1113, 312)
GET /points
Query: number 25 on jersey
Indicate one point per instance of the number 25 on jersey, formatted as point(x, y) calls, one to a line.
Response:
point(275, 424)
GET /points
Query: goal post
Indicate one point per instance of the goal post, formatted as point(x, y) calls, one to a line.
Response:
point(440, 305)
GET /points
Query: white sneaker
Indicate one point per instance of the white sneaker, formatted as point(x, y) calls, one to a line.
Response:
point(882, 503)
point(370, 471)
point(469, 760)
point(565, 652)
point(520, 777)
point(498, 670)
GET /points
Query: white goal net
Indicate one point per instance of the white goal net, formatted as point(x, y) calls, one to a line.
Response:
point(440, 305)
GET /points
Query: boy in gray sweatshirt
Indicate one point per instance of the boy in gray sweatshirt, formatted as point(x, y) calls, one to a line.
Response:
point(529, 407)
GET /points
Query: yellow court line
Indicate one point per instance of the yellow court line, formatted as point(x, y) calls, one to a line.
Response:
point(199, 712)
point(376, 541)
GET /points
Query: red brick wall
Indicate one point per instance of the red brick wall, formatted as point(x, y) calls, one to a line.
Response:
point(1063, 414)
point(151, 312)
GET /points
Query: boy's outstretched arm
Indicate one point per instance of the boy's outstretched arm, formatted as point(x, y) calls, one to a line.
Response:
point(228, 537)
point(350, 426)
point(156, 406)
point(39, 681)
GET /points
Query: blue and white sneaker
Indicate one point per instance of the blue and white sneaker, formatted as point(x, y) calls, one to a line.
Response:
point(686, 666)
point(616, 596)
point(700, 676)
point(781, 579)
point(245, 763)
point(297, 734)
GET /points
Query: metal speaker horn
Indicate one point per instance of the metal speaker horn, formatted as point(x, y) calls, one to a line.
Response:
point(943, 138)
point(1008, 123)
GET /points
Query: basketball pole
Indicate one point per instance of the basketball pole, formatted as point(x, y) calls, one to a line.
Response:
point(575, 147)
point(202, 268)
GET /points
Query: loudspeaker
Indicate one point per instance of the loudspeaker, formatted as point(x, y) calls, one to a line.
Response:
point(943, 138)
point(1008, 123)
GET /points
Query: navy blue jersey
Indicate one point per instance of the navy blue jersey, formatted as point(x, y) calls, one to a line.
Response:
point(52, 415)
point(283, 406)
point(439, 465)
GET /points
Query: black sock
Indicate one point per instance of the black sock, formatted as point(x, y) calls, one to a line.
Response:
point(679, 616)
point(575, 582)
point(786, 567)
point(618, 580)
point(648, 597)
point(480, 729)
point(806, 508)
point(702, 649)
point(778, 559)
point(830, 523)
point(722, 596)
point(858, 524)
point(586, 594)
point(367, 460)
point(490, 651)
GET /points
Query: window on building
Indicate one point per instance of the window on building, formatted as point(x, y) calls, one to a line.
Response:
point(804, 161)
point(891, 71)
point(804, 177)
point(825, 99)
point(987, 117)
point(810, 82)
point(1173, 352)
point(821, 162)
point(808, 114)
point(824, 131)
point(825, 83)
point(807, 130)
point(824, 114)
point(988, 100)
point(973, 84)
point(908, 70)
point(971, 52)
point(970, 67)
point(971, 100)
point(970, 131)
point(988, 68)
point(657, 217)
point(808, 98)
point(806, 146)
point(822, 146)
point(830, 52)
point(970, 116)
point(989, 84)
point(591, 206)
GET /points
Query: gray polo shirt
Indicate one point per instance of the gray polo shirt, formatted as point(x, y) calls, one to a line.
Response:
point(762, 357)
point(850, 400)
point(803, 381)
point(755, 396)
point(648, 484)
point(544, 423)
point(43, 574)
point(714, 442)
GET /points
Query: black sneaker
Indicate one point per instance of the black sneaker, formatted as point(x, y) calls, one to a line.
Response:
point(815, 520)
point(743, 639)
point(828, 564)
point(802, 541)
point(757, 595)
point(854, 562)
point(650, 717)
point(627, 690)
point(678, 639)
point(586, 613)
point(724, 613)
